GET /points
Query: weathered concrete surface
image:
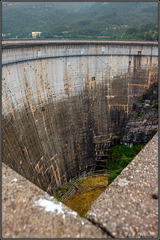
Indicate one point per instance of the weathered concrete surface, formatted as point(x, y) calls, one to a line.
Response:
point(53, 108)
point(127, 207)
point(32, 42)
point(23, 217)
point(19, 50)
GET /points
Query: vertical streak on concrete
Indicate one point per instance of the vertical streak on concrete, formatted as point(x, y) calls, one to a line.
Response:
point(52, 107)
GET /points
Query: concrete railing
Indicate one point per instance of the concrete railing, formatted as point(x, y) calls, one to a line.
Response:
point(16, 51)
point(127, 208)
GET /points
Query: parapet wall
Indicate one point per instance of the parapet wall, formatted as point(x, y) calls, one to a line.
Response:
point(22, 50)
point(58, 96)
point(127, 209)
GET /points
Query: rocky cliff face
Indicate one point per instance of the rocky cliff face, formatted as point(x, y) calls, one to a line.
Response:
point(142, 123)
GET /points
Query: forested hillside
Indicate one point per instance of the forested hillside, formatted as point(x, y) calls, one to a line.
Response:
point(113, 20)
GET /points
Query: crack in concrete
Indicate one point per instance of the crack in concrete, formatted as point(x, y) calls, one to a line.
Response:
point(100, 227)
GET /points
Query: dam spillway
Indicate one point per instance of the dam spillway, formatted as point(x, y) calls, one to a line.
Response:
point(62, 97)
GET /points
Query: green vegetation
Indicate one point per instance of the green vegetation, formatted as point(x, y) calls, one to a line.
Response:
point(58, 192)
point(139, 114)
point(88, 189)
point(140, 100)
point(122, 132)
point(120, 157)
point(147, 32)
point(155, 106)
point(124, 161)
point(110, 20)
point(113, 175)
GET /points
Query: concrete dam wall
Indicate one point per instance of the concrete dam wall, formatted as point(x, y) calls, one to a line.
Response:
point(63, 99)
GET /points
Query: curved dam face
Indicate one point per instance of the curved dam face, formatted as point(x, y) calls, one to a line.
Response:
point(62, 99)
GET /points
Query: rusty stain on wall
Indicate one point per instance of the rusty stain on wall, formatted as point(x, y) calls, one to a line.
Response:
point(50, 125)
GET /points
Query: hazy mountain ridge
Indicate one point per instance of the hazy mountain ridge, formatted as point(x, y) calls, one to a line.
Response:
point(76, 19)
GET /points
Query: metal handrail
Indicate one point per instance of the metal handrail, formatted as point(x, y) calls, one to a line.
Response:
point(74, 186)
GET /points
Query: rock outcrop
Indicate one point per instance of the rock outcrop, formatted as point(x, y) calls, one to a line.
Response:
point(142, 123)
